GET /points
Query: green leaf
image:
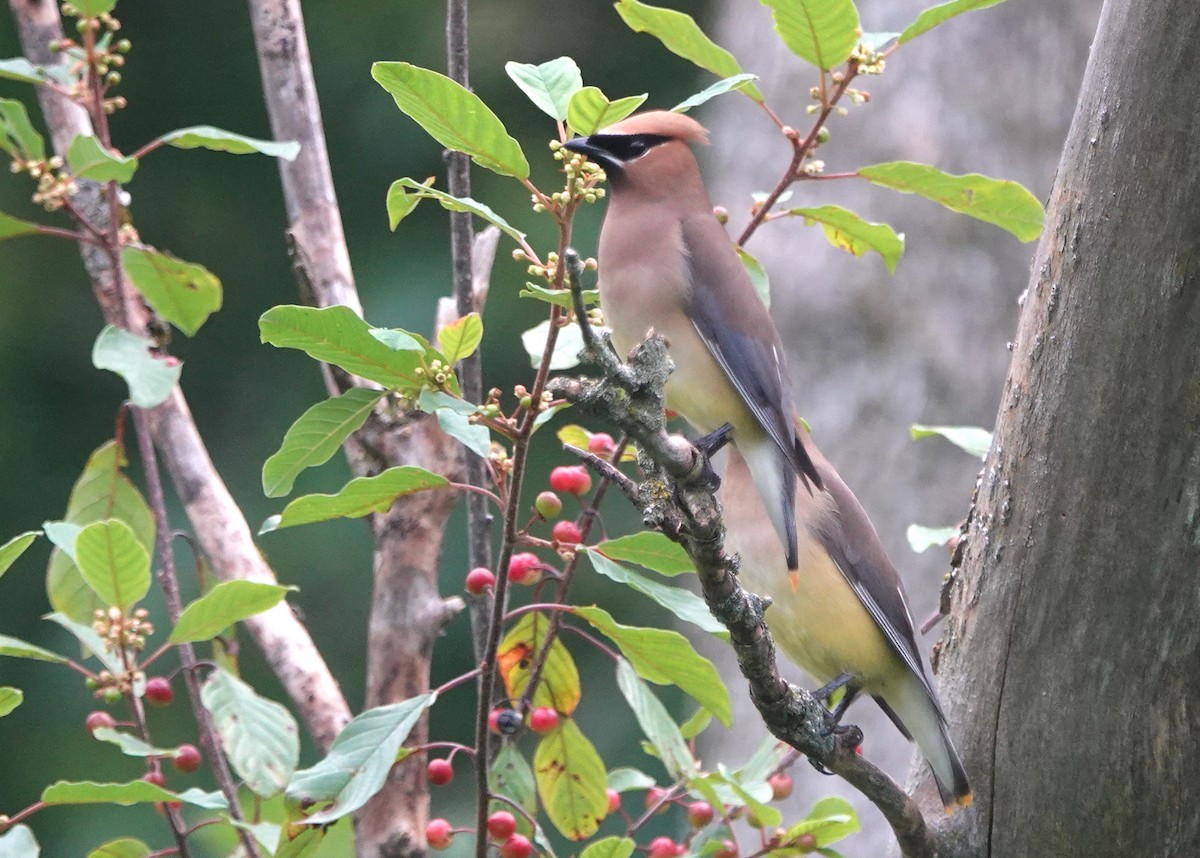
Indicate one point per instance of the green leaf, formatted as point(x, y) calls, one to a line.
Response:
point(453, 115)
point(93, 8)
point(399, 340)
point(590, 110)
point(665, 657)
point(15, 547)
point(91, 792)
point(19, 842)
point(969, 439)
point(570, 779)
point(359, 761)
point(151, 377)
point(510, 776)
point(17, 135)
point(19, 68)
point(473, 436)
point(765, 760)
point(648, 548)
point(696, 724)
point(682, 36)
point(921, 539)
point(766, 816)
point(847, 231)
point(88, 159)
point(361, 496)
point(549, 85)
point(113, 562)
point(559, 687)
point(96, 645)
point(305, 844)
point(13, 227)
point(316, 436)
point(609, 847)
point(758, 276)
point(10, 699)
point(122, 847)
point(183, 293)
point(220, 140)
point(682, 603)
point(728, 84)
point(558, 297)
point(830, 820)
point(567, 345)
point(626, 779)
point(129, 744)
point(337, 336)
point(222, 606)
point(656, 723)
point(822, 32)
point(400, 203)
point(102, 491)
point(1005, 204)
point(935, 15)
point(460, 338)
point(259, 736)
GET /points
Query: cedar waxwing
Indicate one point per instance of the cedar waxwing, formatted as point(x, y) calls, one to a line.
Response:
point(667, 264)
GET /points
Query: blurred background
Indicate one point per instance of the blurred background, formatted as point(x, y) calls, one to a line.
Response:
point(991, 92)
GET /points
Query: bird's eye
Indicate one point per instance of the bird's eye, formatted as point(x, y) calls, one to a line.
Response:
point(636, 147)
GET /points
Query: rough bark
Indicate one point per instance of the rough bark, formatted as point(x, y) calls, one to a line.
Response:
point(1074, 648)
point(992, 92)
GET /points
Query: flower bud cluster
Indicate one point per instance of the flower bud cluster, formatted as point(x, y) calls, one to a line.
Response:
point(121, 632)
point(54, 186)
point(869, 61)
point(435, 375)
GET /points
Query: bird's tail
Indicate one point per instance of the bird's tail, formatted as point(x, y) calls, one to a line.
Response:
point(914, 711)
point(776, 484)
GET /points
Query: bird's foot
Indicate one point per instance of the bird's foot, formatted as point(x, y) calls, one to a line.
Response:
point(711, 443)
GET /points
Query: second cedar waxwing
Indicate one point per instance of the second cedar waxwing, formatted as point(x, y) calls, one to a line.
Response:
point(845, 620)
point(667, 264)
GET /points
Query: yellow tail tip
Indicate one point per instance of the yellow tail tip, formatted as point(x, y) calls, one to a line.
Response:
point(964, 800)
point(794, 578)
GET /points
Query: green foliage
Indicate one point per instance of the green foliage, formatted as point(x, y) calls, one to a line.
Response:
point(758, 276)
point(921, 539)
point(126, 794)
point(521, 648)
point(590, 110)
point(122, 847)
point(549, 85)
point(400, 204)
point(609, 847)
point(15, 547)
point(13, 227)
point(129, 744)
point(570, 780)
point(21, 69)
point(10, 699)
point(460, 338)
point(259, 736)
point(151, 377)
point(183, 293)
point(970, 439)
point(684, 604)
point(821, 32)
point(113, 563)
point(847, 231)
point(14, 648)
point(88, 159)
point(220, 140)
point(656, 723)
point(222, 606)
point(647, 548)
point(17, 135)
point(728, 84)
point(361, 496)
point(935, 15)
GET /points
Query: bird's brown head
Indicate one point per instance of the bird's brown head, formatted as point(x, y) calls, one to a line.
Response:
point(645, 148)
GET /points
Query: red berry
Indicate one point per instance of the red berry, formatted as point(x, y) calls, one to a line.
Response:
point(155, 778)
point(480, 579)
point(781, 786)
point(501, 825)
point(524, 568)
point(543, 719)
point(614, 801)
point(567, 533)
point(439, 772)
point(96, 720)
point(700, 814)
point(601, 443)
point(548, 505)
point(572, 479)
point(187, 758)
point(728, 850)
point(438, 834)
point(806, 843)
point(517, 846)
point(653, 796)
point(158, 691)
point(504, 721)
point(664, 847)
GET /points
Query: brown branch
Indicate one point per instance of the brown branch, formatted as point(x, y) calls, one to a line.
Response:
point(677, 498)
point(219, 524)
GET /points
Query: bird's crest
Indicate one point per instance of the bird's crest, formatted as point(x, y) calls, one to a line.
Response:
point(663, 122)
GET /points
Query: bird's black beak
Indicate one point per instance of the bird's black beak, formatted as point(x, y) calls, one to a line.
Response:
point(587, 147)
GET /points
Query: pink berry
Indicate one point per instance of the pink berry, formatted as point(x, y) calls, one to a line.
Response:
point(439, 772)
point(601, 443)
point(438, 833)
point(654, 796)
point(663, 847)
point(614, 801)
point(567, 533)
point(96, 720)
point(548, 505)
point(572, 479)
point(187, 758)
point(501, 825)
point(700, 814)
point(781, 786)
point(543, 719)
point(158, 691)
point(728, 850)
point(517, 846)
point(155, 778)
point(480, 579)
point(524, 568)
point(806, 843)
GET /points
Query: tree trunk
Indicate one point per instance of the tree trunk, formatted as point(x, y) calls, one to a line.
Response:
point(1073, 651)
point(990, 92)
